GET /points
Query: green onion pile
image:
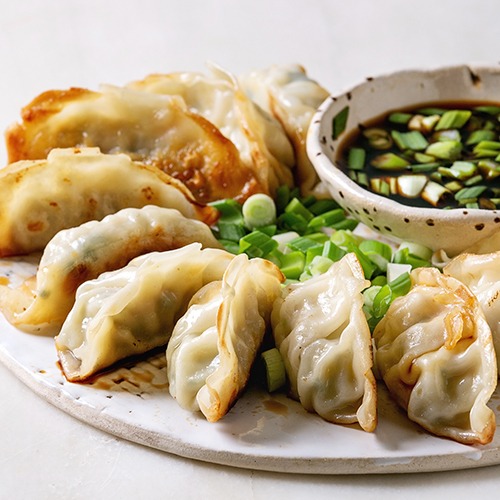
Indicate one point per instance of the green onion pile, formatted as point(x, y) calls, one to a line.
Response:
point(434, 157)
point(304, 236)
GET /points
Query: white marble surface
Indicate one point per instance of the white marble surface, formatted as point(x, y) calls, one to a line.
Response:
point(54, 44)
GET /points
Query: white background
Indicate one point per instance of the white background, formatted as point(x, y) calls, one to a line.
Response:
point(47, 44)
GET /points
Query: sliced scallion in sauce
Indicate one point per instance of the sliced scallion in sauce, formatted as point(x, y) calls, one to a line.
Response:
point(445, 156)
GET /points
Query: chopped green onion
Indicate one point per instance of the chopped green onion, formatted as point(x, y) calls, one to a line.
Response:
point(356, 159)
point(257, 244)
point(282, 198)
point(303, 243)
point(489, 169)
point(491, 110)
point(344, 238)
point(379, 280)
point(269, 230)
point(332, 251)
point(327, 219)
point(434, 193)
point(349, 224)
point(446, 150)
point(292, 264)
point(413, 140)
point(456, 118)
point(321, 206)
point(400, 118)
point(296, 207)
point(274, 368)
point(470, 193)
point(292, 222)
point(284, 238)
point(454, 186)
point(400, 285)
point(228, 208)
point(313, 252)
point(395, 270)
point(480, 135)
point(418, 250)
point(339, 122)
point(492, 145)
point(258, 210)
point(378, 138)
point(231, 246)
point(423, 123)
point(473, 180)
point(404, 257)
point(410, 186)
point(378, 252)
point(389, 161)
point(382, 301)
point(459, 170)
point(369, 295)
point(423, 158)
point(230, 231)
point(319, 265)
point(447, 135)
point(423, 168)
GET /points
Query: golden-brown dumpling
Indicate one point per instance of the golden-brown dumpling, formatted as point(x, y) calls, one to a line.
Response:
point(73, 186)
point(152, 128)
point(434, 350)
point(262, 143)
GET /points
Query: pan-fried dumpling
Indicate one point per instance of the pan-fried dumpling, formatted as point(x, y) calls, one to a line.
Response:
point(324, 339)
point(213, 346)
point(134, 309)
point(481, 273)
point(288, 94)
point(152, 128)
point(73, 186)
point(78, 254)
point(434, 351)
point(261, 141)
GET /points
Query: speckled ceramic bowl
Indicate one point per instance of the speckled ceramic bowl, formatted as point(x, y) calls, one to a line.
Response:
point(452, 230)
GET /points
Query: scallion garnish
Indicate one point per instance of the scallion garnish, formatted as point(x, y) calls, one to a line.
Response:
point(259, 210)
point(455, 118)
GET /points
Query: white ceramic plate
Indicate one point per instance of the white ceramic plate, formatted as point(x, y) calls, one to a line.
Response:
point(262, 431)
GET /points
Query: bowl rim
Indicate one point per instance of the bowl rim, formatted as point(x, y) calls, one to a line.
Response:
point(325, 167)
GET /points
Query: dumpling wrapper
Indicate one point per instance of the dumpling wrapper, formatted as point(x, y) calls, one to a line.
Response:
point(132, 310)
point(288, 94)
point(78, 254)
point(324, 339)
point(262, 143)
point(481, 274)
point(214, 345)
point(434, 350)
point(156, 129)
point(73, 186)
point(489, 244)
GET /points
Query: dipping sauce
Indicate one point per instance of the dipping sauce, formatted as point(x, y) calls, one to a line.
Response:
point(444, 155)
